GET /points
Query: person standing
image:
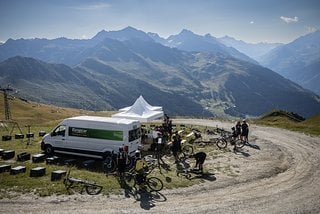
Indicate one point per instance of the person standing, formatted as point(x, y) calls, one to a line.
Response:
point(238, 129)
point(121, 161)
point(176, 146)
point(244, 131)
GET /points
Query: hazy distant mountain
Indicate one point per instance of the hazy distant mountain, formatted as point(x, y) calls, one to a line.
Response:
point(188, 41)
point(309, 77)
point(122, 35)
point(69, 51)
point(298, 61)
point(111, 73)
point(157, 38)
point(255, 51)
point(59, 50)
point(62, 50)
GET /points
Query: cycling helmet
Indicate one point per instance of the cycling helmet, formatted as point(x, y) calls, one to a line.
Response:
point(137, 153)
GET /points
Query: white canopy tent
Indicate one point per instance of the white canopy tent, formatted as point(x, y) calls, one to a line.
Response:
point(141, 110)
point(144, 103)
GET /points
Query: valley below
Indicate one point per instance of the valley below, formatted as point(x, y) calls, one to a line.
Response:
point(278, 173)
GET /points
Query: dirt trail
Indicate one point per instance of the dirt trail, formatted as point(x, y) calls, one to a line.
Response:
point(280, 173)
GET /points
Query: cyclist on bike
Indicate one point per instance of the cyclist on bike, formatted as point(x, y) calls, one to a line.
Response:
point(141, 168)
point(200, 158)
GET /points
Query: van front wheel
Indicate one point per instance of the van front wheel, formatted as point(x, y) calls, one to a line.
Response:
point(48, 149)
point(109, 165)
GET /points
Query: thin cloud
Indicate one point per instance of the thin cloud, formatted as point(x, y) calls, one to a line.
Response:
point(252, 22)
point(98, 6)
point(311, 29)
point(289, 19)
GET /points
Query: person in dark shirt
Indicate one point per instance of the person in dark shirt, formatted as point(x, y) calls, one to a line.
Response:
point(121, 161)
point(238, 129)
point(176, 146)
point(244, 131)
point(200, 158)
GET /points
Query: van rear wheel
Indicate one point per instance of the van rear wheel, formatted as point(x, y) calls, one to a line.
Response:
point(48, 149)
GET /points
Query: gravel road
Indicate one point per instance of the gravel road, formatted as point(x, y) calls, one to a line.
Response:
point(279, 173)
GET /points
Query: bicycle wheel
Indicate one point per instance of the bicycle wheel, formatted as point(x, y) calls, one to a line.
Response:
point(109, 165)
point(73, 187)
point(93, 189)
point(67, 183)
point(187, 150)
point(154, 184)
point(188, 176)
point(239, 143)
point(185, 174)
point(221, 143)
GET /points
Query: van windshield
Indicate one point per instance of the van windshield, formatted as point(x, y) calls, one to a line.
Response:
point(134, 134)
point(59, 131)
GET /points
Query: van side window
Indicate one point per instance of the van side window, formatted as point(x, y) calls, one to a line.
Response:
point(134, 134)
point(59, 131)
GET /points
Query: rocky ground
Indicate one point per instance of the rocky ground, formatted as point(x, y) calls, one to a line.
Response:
point(278, 173)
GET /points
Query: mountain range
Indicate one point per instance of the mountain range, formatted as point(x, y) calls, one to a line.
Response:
point(254, 51)
point(298, 61)
point(188, 41)
point(187, 74)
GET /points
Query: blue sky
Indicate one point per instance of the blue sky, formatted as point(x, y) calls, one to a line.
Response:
point(249, 20)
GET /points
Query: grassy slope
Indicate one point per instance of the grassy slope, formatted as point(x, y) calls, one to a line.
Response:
point(27, 113)
point(286, 120)
point(46, 117)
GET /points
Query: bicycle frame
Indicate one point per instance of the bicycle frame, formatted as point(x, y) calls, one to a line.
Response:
point(77, 185)
point(154, 183)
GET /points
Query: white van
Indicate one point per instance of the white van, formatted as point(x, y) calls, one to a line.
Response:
point(94, 137)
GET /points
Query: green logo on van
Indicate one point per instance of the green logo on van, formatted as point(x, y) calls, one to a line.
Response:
point(96, 133)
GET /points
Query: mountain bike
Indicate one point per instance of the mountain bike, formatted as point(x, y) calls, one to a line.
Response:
point(226, 137)
point(194, 136)
point(166, 149)
point(221, 142)
point(110, 163)
point(187, 150)
point(133, 179)
point(77, 185)
point(153, 162)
